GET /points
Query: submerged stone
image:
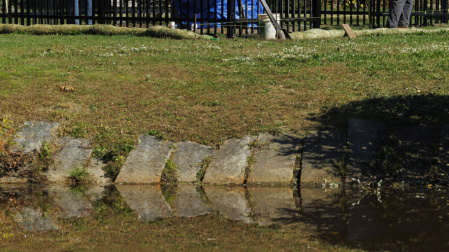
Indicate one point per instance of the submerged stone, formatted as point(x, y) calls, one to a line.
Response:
point(275, 160)
point(146, 162)
point(146, 201)
point(229, 202)
point(229, 162)
point(75, 154)
point(322, 152)
point(188, 159)
point(273, 205)
point(32, 135)
point(189, 202)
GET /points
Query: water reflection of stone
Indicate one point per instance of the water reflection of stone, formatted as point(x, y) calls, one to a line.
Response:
point(230, 202)
point(72, 202)
point(273, 205)
point(324, 209)
point(189, 202)
point(145, 200)
point(35, 220)
point(96, 193)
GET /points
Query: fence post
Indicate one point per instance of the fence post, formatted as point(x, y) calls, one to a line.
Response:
point(231, 19)
point(445, 11)
point(316, 13)
point(101, 6)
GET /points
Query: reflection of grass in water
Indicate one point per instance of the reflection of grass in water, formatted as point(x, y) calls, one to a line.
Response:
point(111, 205)
point(79, 190)
point(169, 192)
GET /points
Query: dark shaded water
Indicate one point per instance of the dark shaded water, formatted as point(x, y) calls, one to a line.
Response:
point(354, 214)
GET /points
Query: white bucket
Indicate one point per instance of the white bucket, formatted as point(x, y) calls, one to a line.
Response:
point(266, 28)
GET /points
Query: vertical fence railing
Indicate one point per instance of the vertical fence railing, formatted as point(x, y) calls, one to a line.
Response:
point(424, 13)
point(337, 12)
point(219, 16)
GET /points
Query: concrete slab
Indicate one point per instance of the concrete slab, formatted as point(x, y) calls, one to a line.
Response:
point(146, 201)
point(275, 159)
point(364, 138)
point(321, 151)
point(31, 135)
point(189, 202)
point(229, 162)
point(75, 154)
point(273, 205)
point(188, 158)
point(146, 162)
point(230, 202)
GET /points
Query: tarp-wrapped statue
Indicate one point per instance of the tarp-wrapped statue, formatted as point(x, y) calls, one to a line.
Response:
point(216, 11)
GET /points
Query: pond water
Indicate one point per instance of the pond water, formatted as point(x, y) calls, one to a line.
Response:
point(355, 214)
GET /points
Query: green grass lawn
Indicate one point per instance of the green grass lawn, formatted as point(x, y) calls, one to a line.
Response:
point(207, 91)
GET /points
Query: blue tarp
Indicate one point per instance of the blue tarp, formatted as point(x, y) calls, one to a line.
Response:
point(215, 9)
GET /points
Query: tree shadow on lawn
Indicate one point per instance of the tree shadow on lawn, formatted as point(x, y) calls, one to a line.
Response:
point(414, 109)
point(408, 121)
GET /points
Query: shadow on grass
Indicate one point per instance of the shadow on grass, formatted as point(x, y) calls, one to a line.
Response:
point(413, 109)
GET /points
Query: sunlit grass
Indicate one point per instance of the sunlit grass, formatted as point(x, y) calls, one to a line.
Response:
point(208, 91)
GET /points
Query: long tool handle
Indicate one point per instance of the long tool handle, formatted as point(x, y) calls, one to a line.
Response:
point(270, 15)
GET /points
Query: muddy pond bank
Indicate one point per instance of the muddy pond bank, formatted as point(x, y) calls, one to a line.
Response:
point(368, 154)
point(145, 216)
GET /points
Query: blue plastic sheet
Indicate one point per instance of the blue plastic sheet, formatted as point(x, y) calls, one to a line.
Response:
point(210, 9)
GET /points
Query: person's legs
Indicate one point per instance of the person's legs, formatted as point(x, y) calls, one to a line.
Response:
point(406, 13)
point(395, 13)
point(77, 11)
point(89, 11)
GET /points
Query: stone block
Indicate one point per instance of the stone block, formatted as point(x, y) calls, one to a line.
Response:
point(146, 162)
point(31, 135)
point(364, 138)
point(229, 162)
point(75, 154)
point(322, 150)
point(188, 159)
point(274, 160)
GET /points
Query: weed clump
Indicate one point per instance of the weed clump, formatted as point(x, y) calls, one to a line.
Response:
point(204, 164)
point(78, 175)
point(169, 172)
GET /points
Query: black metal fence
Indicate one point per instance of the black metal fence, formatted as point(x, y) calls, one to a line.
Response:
point(375, 12)
point(219, 16)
